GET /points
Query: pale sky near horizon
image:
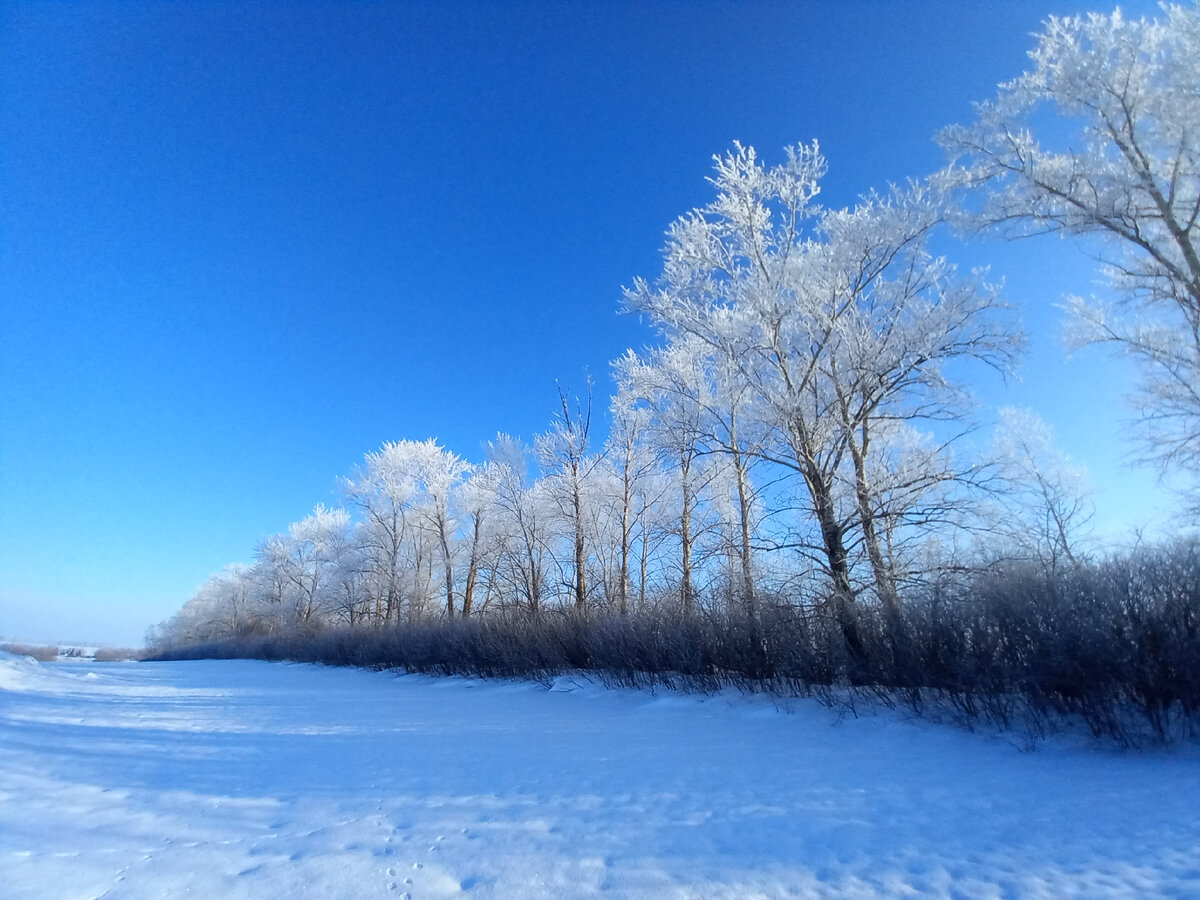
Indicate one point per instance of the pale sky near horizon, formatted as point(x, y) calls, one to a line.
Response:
point(241, 245)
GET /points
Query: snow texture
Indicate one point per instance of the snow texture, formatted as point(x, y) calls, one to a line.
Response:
point(250, 780)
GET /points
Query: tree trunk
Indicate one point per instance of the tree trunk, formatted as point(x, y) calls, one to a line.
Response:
point(580, 556)
point(685, 533)
point(885, 581)
point(744, 512)
point(448, 564)
point(535, 584)
point(623, 587)
point(645, 565)
point(472, 570)
point(834, 540)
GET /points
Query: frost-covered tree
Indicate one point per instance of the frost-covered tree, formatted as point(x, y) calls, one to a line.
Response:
point(521, 521)
point(833, 322)
point(696, 404)
point(221, 608)
point(604, 535)
point(672, 384)
point(229, 597)
point(270, 579)
point(732, 427)
point(892, 316)
point(630, 463)
point(312, 550)
point(567, 466)
point(1120, 161)
point(351, 596)
point(437, 473)
point(382, 489)
point(1045, 500)
point(921, 494)
point(476, 501)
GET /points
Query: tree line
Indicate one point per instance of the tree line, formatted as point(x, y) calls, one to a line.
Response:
point(801, 435)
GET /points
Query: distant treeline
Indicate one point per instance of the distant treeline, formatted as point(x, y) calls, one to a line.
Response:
point(49, 653)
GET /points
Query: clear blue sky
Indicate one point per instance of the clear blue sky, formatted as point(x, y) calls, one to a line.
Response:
point(243, 244)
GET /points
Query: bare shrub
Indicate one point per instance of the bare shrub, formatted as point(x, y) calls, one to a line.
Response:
point(118, 654)
point(40, 653)
point(1114, 645)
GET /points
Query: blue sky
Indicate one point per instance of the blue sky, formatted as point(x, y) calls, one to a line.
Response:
point(243, 244)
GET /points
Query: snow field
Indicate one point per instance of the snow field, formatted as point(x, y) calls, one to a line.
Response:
point(246, 779)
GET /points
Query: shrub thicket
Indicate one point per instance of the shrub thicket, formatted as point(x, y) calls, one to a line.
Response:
point(118, 654)
point(1114, 645)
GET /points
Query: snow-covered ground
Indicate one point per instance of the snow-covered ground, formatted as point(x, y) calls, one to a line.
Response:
point(257, 780)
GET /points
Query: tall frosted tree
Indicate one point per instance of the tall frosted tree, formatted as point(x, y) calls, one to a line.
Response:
point(833, 322)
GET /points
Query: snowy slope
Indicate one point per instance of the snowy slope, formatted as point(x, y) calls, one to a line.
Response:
point(250, 779)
